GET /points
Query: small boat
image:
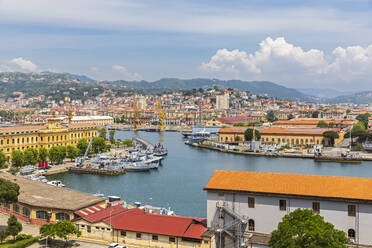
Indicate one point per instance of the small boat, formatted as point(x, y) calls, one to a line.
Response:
point(136, 167)
point(56, 183)
point(27, 170)
point(160, 150)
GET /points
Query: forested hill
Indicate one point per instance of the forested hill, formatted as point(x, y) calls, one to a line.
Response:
point(74, 86)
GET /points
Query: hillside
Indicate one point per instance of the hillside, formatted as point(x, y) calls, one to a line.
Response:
point(59, 85)
point(364, 97)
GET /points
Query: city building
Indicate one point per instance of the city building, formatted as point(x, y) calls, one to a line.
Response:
point(231, 135)
point(246, 206)
point(41, 203)
point(222, 101)
point(298, 136)
point(136, 228)
point(99, 121)
point(54, 133)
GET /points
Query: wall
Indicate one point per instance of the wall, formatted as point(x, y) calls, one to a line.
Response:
point(266, 213)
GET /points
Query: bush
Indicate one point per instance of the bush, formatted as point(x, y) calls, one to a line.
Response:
point(13, 170)
point(22, 243)
point(23, 236)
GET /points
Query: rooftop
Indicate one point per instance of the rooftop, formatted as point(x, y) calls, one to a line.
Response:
point(351, 188)
point(44, 195)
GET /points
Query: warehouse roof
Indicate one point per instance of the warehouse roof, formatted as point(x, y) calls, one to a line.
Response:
point(292, 184)
point(44, 195)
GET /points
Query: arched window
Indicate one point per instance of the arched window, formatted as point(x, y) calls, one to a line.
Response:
point(62, 216)
point(351, 233)
point(251, 225)
point(26, 212)
point(41, 214)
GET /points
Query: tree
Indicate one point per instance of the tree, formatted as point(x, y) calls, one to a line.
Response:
point(72, 152)
point(3, 235)
point(14, 226)
point(248, 134)
point(65, 228)
point(57, 154)
point(331, 135)
point(322, 124)
point(3, 160)
point(30, 156)
point(43, 154)
point(364, 119)
point(102, 132)
point(304, 228)
point(9, 191)
point(47, 231)
point(112, 136)
point(127, 142)
point(359, 130)
point(271, 116)
point(98, 144)
point(17, 158)
point(290, 116)
point(82, 145)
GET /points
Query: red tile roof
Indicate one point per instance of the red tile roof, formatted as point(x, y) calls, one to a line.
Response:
point(137, 220)
point(96, 213)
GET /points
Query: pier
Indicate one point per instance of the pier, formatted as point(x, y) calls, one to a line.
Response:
point(144, 143)
point(86, 170)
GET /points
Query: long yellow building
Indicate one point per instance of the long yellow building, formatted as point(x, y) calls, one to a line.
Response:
point(54, 133)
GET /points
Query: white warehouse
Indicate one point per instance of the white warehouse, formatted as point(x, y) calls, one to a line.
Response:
point(243, 208)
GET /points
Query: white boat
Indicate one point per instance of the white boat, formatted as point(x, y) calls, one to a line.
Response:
point(56, 183)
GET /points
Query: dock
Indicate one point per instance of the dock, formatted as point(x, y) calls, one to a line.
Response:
point(85, 170)
point(144, 143)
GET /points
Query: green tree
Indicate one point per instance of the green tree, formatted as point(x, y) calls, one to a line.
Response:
point(102, 132)
point(65, 228)
point(290, 116)
point(322, 124)
point(98, 144)
point(3, 160)
point(331, 135)
point(57, 154)
point(9, 191)
point(14, 226)
point(43, 154)
point(271, 116)
point(17, 158)
point(359, 130)
point(112, 136)
point(248, 134)
point(82, 145)
point(304, 228)
point(30, 156)
point(364, 119)
point(72, 152)
point(3, 235)
point(127, 142)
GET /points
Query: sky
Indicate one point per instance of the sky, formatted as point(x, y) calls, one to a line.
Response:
point(296, 43)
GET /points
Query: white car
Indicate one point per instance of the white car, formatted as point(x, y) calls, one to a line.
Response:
point(120, 246)
point(113, 245)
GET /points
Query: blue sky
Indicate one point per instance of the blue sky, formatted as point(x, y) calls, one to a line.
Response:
point(295, 43)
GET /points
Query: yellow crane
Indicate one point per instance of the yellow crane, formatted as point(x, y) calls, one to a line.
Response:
point(136, 119)
point(161, 116)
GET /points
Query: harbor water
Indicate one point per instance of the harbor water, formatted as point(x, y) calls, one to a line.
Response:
point(179, 182)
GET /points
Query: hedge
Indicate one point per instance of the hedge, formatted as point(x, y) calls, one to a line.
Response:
point(21, 244)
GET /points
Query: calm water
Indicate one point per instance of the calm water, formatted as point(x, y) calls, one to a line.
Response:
point(179, 182)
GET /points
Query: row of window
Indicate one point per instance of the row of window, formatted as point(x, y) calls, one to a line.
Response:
point(291, 141)
point(89, 228)
point(351, 209)
point(154, 237)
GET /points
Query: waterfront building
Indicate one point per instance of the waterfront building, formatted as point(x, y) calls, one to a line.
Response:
point(54, 133)
point(243, 207)
point(298, 136)
point(41, 203)
point(232, 135)
point(313, 122)
point(222, 101)
point(136, 228)
point(99, 121)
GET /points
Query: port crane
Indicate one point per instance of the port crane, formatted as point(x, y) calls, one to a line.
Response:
point(161, 116)
point(80, 160)
point(136, 119)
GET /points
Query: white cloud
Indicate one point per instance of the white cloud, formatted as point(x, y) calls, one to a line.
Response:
point(23, 64)
point(134, 76)
point(277, 59)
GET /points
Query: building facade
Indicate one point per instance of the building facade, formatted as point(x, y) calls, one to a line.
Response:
point(222, 101)
point(255, 202)
point(54, 133)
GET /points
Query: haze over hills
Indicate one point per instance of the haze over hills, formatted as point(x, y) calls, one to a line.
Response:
point(60, 85)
